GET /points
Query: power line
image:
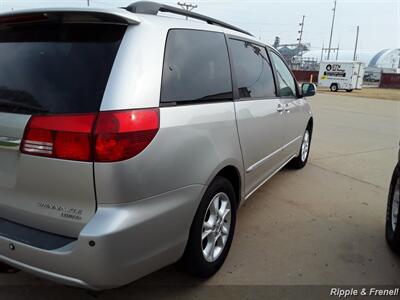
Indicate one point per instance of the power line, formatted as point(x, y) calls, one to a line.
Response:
point(187, 6)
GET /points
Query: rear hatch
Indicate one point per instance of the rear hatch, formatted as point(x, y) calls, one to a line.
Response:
point(53, 74)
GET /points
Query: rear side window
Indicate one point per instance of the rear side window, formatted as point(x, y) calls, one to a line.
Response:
point(196, 67)
point(56, 68)
point(253, 70)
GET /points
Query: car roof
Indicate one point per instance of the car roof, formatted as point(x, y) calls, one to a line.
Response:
point(171, 21)
point(168, 21)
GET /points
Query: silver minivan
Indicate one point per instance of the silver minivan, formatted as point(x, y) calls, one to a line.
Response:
point(130, 137)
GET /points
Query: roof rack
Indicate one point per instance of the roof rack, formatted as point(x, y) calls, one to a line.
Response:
point(153, 8)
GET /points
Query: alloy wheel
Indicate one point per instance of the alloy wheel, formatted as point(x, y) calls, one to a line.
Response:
point(396, 204)
point(216, 227)
point(305, 146)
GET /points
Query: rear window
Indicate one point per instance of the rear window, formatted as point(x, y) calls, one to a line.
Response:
point(196, 67)
point(56, 68)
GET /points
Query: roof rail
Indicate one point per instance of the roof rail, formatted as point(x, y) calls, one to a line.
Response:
point(152, 8)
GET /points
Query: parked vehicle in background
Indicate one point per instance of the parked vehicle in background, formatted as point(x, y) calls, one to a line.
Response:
point(338, 75)
point(393, 209)
point(128, 140)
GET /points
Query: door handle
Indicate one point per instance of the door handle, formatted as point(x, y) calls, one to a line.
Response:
point(280, 108)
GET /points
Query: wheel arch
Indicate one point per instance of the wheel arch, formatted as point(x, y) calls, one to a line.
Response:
point(310, 124)
point(233, 175)
point(232, 170)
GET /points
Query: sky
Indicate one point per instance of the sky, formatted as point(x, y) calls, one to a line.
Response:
point(379, 20)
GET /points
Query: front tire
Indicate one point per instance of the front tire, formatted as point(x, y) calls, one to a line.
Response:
point(212, 230)
point(392, 214)
point(334, 87)
point(300, 161)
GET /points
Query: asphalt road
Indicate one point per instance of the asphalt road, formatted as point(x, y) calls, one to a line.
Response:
point(323, 225)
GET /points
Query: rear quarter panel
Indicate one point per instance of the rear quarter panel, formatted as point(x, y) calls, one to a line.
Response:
point(194, 142)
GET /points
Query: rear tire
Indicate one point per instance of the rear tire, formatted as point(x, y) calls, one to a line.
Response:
point(300, 161)
point(211, 233)
point(334, 87)
point(392, 214)
point(349, 91)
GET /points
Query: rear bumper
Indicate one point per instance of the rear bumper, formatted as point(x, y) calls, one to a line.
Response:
point(130, 241)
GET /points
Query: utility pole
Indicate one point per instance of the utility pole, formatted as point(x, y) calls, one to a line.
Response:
point(300, 38)
point(333, 24)
point(88, 2)
point(188, 7)
point(322, 51)
point(327, 50)
point(355, 47)
point(337, 51)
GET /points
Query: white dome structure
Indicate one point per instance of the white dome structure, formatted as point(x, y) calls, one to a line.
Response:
point(386, 59)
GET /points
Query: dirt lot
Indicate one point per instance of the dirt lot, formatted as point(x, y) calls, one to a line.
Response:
point(369, 92)
point(323, 225)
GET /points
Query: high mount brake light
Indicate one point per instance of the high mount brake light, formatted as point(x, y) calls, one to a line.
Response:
point(99, 137)
point(13, 19)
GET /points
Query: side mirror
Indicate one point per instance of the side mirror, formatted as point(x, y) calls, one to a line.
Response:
point(308, 89)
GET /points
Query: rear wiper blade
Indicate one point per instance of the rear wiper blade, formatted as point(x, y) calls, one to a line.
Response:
point(23, 106)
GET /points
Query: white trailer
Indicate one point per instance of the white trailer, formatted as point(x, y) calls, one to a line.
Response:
point(341, 75)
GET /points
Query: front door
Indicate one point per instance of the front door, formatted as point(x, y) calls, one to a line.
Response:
point(294, 112)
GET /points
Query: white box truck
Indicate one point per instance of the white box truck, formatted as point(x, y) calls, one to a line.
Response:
point(341, 75)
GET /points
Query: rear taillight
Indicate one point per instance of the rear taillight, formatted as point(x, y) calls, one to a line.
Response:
point(102, 137)
point(60, 136)
point(123, 134)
